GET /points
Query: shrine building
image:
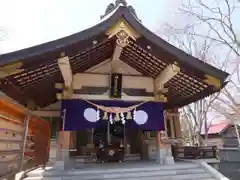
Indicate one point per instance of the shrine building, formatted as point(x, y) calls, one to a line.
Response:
point(115, 88)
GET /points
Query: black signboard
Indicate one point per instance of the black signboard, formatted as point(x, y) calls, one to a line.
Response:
point(116, 86)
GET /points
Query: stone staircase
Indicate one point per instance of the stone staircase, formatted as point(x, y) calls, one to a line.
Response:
point(126, 171)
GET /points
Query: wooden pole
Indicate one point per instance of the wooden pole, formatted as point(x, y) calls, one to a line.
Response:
point(23, 149)
point(108, 133)
point(124, 138)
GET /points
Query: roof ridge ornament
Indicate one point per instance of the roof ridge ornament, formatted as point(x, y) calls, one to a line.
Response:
point(112, 7)
point(118, 2)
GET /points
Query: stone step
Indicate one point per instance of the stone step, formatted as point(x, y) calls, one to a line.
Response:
point(200, 176)
point(179, 171)
point(143, 173)
point(156, 174)
point(174, 172)
point(116, 168)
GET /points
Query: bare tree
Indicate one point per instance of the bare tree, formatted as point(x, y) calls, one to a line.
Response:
point(209, 27)
point(195, 114)
point(187, 129)
point(217, 18)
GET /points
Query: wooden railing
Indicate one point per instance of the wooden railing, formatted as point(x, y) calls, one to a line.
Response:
point(24, 139)
point(194, 152)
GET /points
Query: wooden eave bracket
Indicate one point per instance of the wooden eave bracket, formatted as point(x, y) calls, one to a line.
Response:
point(212, 81)
point(10, 69)
point(122, 25)
point(166, 75)
point(66, 71)
point(122, 31)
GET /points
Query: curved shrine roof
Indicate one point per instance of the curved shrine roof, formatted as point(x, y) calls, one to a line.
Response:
point(41, 71)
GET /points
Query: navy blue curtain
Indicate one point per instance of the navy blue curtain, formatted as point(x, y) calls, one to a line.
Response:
point(74, 112)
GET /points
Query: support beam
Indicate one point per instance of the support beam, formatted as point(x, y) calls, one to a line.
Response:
point(105, 96)
point(163, 149)
point(102, 80)
point(65, 68)
point(115, 58)
point(168, 73)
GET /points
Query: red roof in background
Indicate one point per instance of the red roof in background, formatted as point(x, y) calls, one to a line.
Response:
point(217, 128)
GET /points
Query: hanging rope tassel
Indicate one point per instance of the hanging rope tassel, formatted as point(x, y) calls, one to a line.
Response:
point(117, 117)
point(98, 115)
point(134, 114)
point(129, 115)
point(111, 119)
point(122, 118)
point(105, 116)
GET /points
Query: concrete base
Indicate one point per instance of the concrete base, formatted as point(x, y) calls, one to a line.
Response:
point(59, 165)
point(63, 160)
point(164, 156)
point(169, 160)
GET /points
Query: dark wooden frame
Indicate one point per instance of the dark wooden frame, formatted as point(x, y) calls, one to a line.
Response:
point(194, 152)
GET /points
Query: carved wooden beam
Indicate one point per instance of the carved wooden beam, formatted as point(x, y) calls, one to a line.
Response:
point(115, 58)
point(120, 26)
point(212, 81)
point(121, 42)
point(11, 69)
point(168, 73)
point(102, 80)
point(65, 68)
point(123, 32)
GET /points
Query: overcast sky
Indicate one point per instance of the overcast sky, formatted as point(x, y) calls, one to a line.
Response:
point(30, 22)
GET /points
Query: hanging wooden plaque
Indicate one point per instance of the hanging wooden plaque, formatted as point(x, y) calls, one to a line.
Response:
point(116, 85)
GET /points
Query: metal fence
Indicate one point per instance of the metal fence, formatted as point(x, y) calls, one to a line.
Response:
point(24, 139)
point(194, 152)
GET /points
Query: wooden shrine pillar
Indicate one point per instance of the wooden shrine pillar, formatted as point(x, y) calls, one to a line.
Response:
point(163, 148)
point(173, 122)
point(63, 144)
point(177, 125)
point(63, 150)
point(64, 137)
point(144, 146)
